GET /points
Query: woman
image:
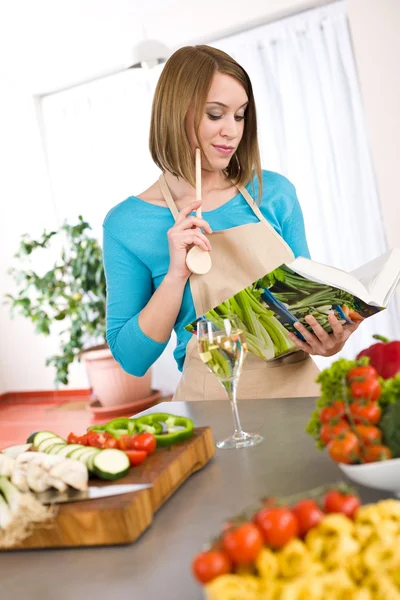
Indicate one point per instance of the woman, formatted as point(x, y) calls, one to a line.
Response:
point(204, 99)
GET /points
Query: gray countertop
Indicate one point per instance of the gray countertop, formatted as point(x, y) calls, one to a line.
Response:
point(158, 564)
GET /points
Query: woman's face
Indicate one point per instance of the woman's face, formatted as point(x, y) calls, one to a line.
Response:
point(221, 127)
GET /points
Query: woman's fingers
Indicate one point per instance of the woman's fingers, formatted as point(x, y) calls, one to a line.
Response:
point(191, 222)
point(187, 210)
point(188, 237)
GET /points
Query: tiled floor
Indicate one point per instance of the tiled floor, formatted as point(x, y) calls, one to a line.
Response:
point(20, 418)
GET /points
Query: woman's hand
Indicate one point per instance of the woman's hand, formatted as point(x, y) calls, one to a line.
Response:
point(320, 342)
point(182, 236)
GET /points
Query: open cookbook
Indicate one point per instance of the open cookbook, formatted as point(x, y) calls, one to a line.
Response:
point(267, 309)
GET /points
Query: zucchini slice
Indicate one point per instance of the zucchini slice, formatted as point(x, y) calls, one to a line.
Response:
point(40, 436)
point(54, 448)
point(75, 454)
point(111, 464)
point(49, 442)
point(84, 456)
point(68, 448)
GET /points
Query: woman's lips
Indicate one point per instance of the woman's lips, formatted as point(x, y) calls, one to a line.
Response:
point(224, 149)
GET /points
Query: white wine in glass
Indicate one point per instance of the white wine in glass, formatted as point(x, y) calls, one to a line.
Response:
point(223, 349)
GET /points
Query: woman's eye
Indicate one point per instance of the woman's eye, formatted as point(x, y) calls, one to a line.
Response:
point(239, 118)
point(213, 117)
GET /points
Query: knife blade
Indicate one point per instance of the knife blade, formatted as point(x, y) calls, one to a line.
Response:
point(92, 493)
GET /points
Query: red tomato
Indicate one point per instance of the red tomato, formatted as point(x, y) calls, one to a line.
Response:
point(72, 438)
point(243, 544)
point(367, 413)
point(376, 453)
point(277, 525)
point(370, 389)
point(368, 434)
point(126, 442)
point(336, 502)
point(144, 441)
point(136, 457)
point(333, 412)
point(362, 374)
point(111, 442)
point(308, 515)
point(345, 448)
point(330, 432)
point(83, 439)
point(209, 565)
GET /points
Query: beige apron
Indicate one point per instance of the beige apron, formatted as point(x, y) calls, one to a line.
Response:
point(240, 256)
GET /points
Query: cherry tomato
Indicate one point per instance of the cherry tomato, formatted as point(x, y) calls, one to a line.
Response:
point(126, 442)
point(243, 544)
point(376, 453)
point(209, 565)
point(336, 502)
point(370, 389)
point(345, 448)
point(330, 432)
point(144, 441)
point(136, 457)
point(368, 434)
point(277, 525)
point(362, 374)
point(308, 515)
point(335, 411)
point(366, 413)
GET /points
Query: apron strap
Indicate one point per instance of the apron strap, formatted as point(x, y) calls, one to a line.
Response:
point(168, 196)
point(253, 205)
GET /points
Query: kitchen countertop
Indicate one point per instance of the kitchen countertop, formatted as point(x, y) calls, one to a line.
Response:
point(158, 564)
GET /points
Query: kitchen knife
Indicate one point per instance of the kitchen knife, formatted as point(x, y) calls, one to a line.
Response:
point(92, 493)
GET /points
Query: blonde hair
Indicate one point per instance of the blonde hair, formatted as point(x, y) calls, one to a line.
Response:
point(184, 83)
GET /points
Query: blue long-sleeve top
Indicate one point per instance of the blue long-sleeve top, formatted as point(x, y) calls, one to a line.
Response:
point(136, 260)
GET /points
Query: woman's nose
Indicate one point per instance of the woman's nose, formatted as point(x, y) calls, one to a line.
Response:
point(229, 128)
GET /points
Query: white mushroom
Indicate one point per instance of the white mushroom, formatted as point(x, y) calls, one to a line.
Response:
point(19, 478)
point(7, 465)
point(37, 478)
point(71, 472)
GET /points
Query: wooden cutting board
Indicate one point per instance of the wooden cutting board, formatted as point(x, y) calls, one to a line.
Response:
point(122, 519)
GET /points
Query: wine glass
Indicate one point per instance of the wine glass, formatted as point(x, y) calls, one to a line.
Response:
point(223, 348)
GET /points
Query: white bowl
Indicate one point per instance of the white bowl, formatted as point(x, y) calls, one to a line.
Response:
point(381, 475)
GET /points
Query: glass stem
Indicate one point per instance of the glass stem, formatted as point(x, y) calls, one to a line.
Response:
point(231, 391)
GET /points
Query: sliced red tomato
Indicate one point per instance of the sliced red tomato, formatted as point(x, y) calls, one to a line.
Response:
point(144, 441)
point(136, 457)
point(72, 438)
point(336, 502)
point(308, 515)
point(126, 442)
point(209, 565)
point(333, 412)
point(111, 442)
point(366, 413)
point(277, 525)
point(101, 439)
point(330, 432)
point(83, 439)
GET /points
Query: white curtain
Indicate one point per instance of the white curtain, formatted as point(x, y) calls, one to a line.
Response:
point(311, 129)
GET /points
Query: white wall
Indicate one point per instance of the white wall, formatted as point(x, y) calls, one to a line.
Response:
point(375, 28)
point(102, 38)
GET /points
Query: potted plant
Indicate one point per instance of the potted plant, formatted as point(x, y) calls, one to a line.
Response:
point(69, 299)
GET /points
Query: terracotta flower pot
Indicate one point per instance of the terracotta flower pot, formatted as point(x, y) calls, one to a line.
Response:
point(110, 383)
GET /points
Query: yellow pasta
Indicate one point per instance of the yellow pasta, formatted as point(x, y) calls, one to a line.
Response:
point(294, 559)
point(233, 587)
point(339, 560)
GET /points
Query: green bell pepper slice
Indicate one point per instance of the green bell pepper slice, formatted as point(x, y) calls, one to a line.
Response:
point(121, 426)
point(172, 423)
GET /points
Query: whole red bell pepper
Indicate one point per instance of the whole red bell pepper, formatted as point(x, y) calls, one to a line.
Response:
point(384, 356)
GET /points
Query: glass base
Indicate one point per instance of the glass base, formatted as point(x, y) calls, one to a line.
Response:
point(240, 440)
